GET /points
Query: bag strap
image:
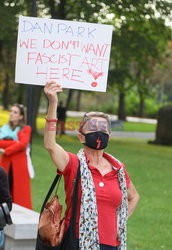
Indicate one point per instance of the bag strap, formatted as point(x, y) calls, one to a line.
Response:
point(72, 224)
point(53, 185)
point(56, 179)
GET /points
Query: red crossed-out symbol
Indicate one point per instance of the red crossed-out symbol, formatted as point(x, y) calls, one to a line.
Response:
point(98, 143)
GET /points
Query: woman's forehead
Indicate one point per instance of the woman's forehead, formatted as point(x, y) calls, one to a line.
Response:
point(97, 118)
point(97, 123)
point(15, 108)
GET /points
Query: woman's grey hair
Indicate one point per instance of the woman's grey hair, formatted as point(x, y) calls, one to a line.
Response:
point(91, 114)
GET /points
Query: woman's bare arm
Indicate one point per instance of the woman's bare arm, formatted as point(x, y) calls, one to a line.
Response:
point(133, 199)
point(58, 155)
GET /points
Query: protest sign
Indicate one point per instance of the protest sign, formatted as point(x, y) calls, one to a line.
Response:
point(74, 54)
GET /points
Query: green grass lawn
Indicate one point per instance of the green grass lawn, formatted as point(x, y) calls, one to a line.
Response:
point(139, 127)
point(149, 167)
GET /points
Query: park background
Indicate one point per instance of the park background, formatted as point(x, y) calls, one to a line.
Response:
point(139, 84)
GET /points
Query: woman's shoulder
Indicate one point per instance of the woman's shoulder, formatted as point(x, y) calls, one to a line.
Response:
point(71, 166)
point(5, 126)
point(113, 160)
point(25, 131)
point(73, 158)
point(26, 128)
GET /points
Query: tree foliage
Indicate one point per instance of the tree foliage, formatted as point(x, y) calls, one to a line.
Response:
point(8, 34)
point(140, 41)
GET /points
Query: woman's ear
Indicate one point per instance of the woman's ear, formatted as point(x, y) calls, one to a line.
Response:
point(81, 137)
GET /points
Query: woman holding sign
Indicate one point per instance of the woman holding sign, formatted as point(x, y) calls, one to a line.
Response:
point(107, 196)
point(14, 139)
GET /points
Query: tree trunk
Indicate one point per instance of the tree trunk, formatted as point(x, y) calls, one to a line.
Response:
point(61, 9)
point(33, 92)
point(58, 12)
point(20, 94)
point(1, 45)
point(52, 8)
point(163, 130)
point(141, 105)
point(78, 101)
point(33, 8)
point(69, 98)
point(33, 100)
point(5, 95)
point(121, 107)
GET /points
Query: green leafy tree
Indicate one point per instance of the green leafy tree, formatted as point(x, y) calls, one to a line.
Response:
point(8, 34)
point(140, 39)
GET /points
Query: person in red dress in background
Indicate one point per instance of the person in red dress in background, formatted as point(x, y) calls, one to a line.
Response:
point(14, 139)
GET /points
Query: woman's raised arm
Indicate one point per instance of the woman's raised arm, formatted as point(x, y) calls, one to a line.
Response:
point(58, 155)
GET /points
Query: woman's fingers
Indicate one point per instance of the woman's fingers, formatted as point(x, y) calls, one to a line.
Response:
point(51, 84)
point(51, 90)
point(54, 90)
point(53, 87)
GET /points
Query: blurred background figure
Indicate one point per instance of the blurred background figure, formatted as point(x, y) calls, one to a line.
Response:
point(61, 116)
point(4, 198)
point(14, 139)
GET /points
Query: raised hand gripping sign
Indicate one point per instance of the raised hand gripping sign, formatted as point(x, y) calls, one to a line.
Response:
point(75, 54)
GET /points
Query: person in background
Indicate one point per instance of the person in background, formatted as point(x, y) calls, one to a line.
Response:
point(61, 116)
point(106, 195)
point(4, 198)
point(14, 139)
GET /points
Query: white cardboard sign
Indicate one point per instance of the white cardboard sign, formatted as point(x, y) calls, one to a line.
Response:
point(75, 54)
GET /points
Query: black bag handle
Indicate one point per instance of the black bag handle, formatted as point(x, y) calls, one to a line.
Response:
point(53, 185)
point(75, 199)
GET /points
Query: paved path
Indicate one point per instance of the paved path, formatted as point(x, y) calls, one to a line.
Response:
point(123, 134)
point(134, 135)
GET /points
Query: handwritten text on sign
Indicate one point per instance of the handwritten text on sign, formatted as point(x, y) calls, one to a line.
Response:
point(75, 54)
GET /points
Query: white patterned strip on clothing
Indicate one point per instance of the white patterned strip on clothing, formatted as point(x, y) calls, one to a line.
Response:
point(88, 224)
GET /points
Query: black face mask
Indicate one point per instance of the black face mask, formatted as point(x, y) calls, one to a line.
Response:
point(96, 140)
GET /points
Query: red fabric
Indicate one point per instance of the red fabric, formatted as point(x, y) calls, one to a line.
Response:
point(15, 156)
point(108, 197)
